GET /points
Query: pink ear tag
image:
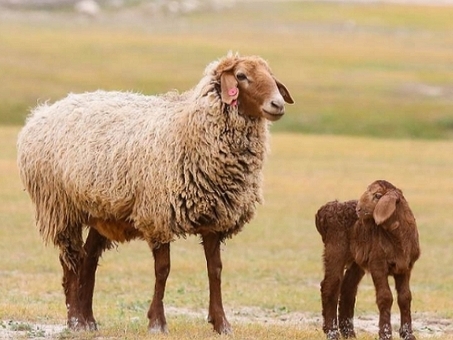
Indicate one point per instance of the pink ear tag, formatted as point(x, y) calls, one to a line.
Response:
point(233, 91)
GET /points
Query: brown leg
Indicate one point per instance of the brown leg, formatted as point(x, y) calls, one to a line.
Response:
point(404, 303)
point(79, 268)
point(94, 246)
point(334, 258)
point(348, 294)
point(384, 300)
point(71, 261)
point(156, 315)
point(216, 316)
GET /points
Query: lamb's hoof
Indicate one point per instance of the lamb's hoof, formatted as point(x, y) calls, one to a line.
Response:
point(407, 336)
point(348, 333)
point(92, 326)
point(332, 334)
point(157, 328)
point(385, 335)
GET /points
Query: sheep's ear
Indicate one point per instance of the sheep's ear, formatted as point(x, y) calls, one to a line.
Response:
point(385, 207)
point(229, 88)
point(284, 92)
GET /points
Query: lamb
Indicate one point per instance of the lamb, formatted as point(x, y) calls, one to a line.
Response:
point(128, 166)
point(378, 234)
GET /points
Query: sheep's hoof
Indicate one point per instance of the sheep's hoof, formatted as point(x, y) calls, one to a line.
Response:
point(221, 326)
point(157, 328)
point(76, 324)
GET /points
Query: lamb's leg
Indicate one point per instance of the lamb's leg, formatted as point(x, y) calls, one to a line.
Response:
point(211, 244)
point(348, 294)
point(330, 290)
point(94, 246)
point(156, 314)
point(384, 300)
point(404, 303)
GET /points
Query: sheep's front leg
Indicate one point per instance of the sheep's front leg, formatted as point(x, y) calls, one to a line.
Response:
point(211, 244)
point(404, 304)
point(384, 300)
point(156, 314)
point(348, 294)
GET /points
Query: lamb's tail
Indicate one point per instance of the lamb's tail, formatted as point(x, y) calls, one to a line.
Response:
point(335, 213)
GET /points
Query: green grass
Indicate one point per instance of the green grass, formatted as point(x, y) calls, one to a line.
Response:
point(378, 69)
point(274, 265)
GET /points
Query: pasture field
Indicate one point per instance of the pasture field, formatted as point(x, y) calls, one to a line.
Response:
point(362, 70)
point(272, 269)
point(353, 69)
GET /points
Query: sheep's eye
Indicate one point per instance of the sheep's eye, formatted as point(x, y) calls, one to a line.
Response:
point(377, 195)
point(241, 76)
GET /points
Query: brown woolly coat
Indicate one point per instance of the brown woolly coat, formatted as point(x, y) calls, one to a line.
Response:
point(394, 240)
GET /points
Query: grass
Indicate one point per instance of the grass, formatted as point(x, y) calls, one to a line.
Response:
point(274, 265)
point(376, 69)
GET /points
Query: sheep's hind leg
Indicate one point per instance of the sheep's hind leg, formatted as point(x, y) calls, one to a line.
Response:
point(211, 244)
point(156, 314)
point(404, 304)
point(348, 294)
point(71, 258)
point(94, 246)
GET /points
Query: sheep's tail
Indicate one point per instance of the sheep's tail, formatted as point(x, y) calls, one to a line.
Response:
point(55, 217)
point(60, 226)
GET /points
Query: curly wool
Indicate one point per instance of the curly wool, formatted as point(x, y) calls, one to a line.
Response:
point(171, 165)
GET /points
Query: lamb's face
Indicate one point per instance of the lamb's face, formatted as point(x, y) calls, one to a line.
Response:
point(369, 200)
point(378, 202)
point(249, 84)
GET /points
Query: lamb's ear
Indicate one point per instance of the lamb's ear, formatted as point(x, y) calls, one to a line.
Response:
point(385, 207)
point(228, 88)
point(284, 92)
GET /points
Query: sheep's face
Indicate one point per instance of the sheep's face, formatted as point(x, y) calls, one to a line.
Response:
point(378, 202)
point(248, 83)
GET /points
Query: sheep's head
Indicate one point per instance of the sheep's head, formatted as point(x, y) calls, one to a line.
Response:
point(378, 202)
point(248, 83)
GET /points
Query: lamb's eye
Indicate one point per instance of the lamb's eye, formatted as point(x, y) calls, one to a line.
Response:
point(377, 195)
point(241, 76)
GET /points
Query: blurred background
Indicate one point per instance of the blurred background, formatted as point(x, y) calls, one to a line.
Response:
point(373, 85)
point(375, 68)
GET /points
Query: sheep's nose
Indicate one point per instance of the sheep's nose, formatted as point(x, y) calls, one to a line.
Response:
point(278, 105)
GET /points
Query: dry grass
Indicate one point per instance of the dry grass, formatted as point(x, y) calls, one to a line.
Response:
point(273, 268)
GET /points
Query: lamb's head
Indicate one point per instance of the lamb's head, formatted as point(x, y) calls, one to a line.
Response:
point(379, 202)
point(248, 83)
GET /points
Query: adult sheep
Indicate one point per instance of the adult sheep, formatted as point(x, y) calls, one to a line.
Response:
point(129, 166)
point(378, 234)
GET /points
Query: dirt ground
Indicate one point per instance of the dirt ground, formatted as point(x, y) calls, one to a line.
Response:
point(424, 325)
